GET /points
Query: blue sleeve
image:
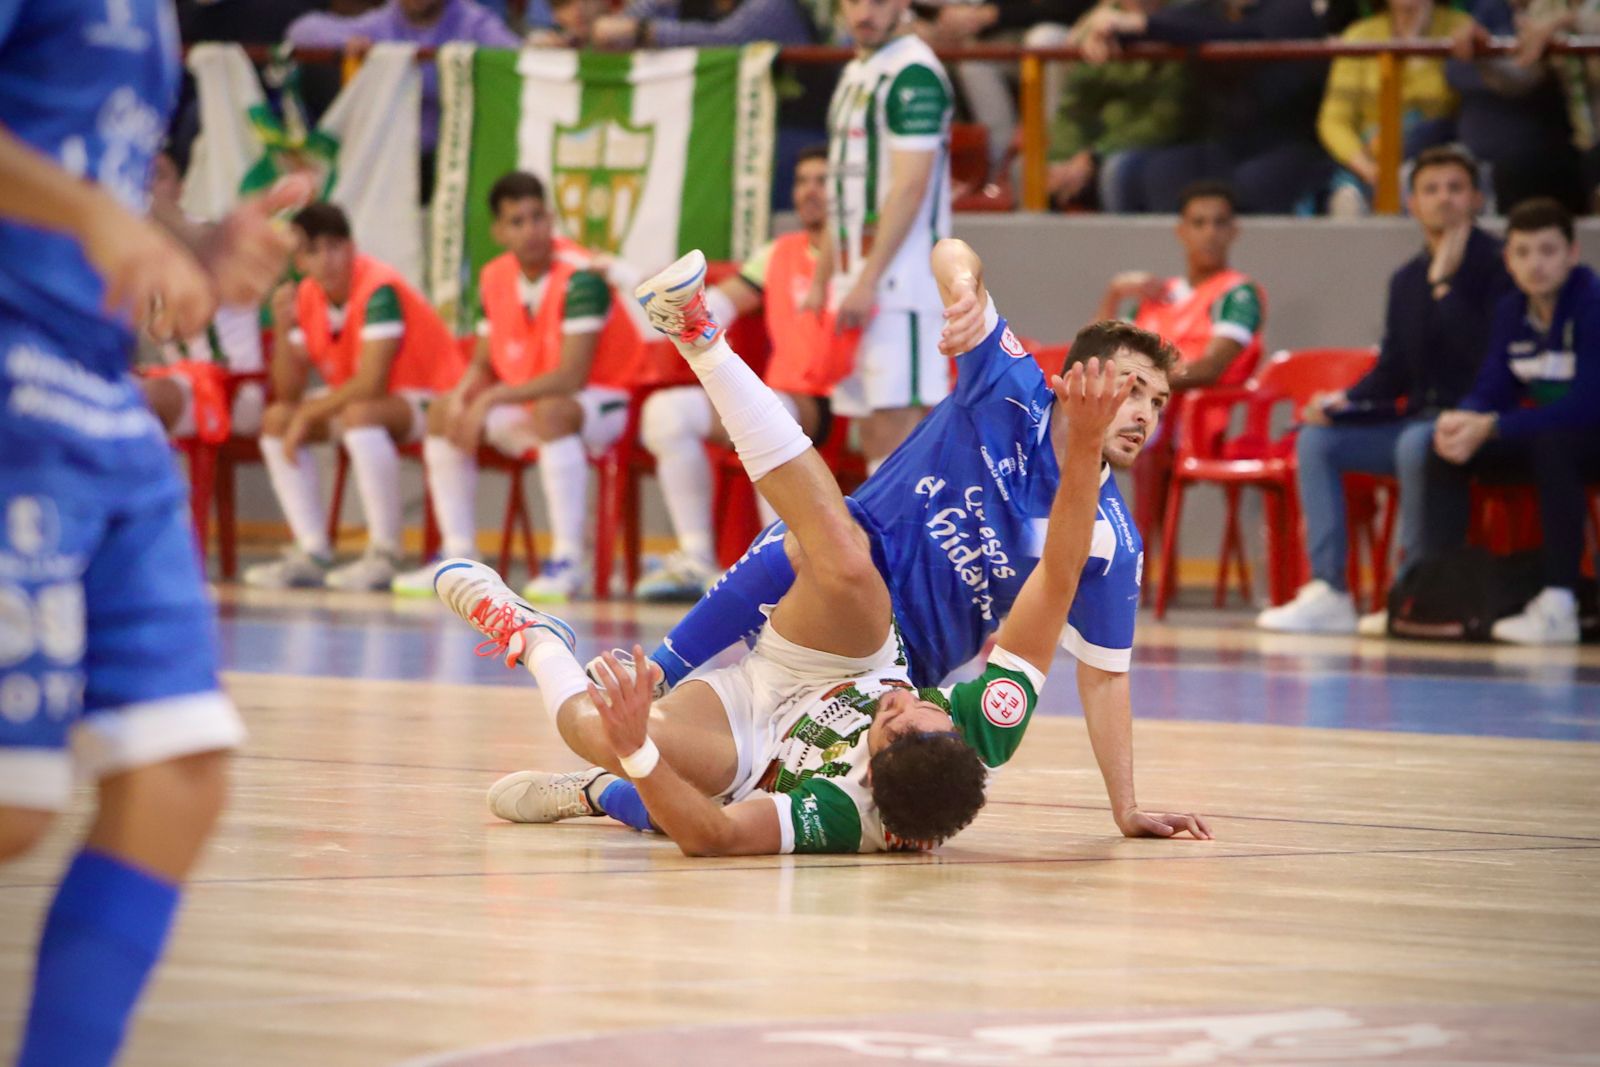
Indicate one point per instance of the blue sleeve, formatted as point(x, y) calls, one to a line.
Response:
point(1496, 388)
point(1579, 409)
point(10, 12)
point(1103, 616)
point(754, 20)
point(988, 367)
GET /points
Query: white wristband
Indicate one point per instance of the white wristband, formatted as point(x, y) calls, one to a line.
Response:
point(642, 762)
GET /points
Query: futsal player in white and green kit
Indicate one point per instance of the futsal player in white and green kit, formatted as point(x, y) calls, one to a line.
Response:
point(888, 205)
point(816, 741)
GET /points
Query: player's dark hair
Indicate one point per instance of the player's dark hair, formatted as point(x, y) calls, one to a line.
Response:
point(810, 152)
point(515, 185)
point(1208, 190)
point(927, 786)
point(322, 219)
point(1540, 213)
point(1445, 155)
point(1104, 339)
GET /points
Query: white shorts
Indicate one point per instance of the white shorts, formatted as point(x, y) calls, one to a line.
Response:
point(898, 365)
point(248, 404)
point(509, 427)
point(775, 676)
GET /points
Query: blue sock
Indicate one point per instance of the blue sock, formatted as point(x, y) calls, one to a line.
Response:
point(103, 935)
point(622, 802)
point(731, 610)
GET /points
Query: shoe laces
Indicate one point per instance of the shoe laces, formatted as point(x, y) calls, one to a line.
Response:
point(695, 317)
point(499, 623)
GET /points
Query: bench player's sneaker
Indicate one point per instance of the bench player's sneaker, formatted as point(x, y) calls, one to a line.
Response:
point(372, 572)
point(539, 796)
point(295, 569)
point(476, 592)
point(675, 302)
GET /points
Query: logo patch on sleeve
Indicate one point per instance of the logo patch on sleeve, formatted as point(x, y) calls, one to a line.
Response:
point(1004, 702)
point(1012, 346)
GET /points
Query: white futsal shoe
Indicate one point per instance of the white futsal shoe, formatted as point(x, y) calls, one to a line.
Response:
point(541, 797)
point(1318, 608)
point(658, 678)
point(477, 593)
point(675, 302)
point(1551, 618)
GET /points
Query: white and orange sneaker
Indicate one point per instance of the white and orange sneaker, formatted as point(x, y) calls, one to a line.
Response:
point(675, 302)
point(477, 593)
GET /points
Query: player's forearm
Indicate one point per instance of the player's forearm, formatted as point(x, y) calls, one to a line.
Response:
point(1108, 713)
point(956, 268)
point(288, 370)
point(697, 824)
point(1210, 367)
point(1110, 304)
point(894, 223)
point(36, 190)
point(193, 235)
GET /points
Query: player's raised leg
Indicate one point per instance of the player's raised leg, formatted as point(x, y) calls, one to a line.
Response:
point(838, 602)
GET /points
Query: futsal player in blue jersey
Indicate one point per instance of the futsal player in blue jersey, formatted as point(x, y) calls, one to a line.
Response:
point(105, 628)
point(956, 517)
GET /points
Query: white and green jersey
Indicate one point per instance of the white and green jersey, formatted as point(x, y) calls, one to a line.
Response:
point(818, 769)
point(896, 99)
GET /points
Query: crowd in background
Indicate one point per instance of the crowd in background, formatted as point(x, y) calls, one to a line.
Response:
point(1291, 136)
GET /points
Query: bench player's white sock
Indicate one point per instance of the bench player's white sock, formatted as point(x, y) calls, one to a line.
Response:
point(295, 485)
point(674, 425)
point(764, 434)
point(453, 484)
point(376, 464)
point(564, 473)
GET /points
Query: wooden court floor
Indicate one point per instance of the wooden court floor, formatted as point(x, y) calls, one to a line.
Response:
point(1406, 870)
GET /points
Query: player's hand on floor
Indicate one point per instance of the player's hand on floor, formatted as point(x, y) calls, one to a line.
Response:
point(623, 699)
point(963, 320)
point(1138, 823)
point(147, 273)
point(247, 251)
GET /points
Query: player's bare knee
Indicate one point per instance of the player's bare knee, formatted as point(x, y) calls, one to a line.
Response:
point(361, 413)
point(21, 829)
point(845, 560)
point(275, 420)
point(556, 417)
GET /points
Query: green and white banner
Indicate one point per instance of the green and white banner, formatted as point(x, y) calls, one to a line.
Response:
point(364, 149)
point(645, 154)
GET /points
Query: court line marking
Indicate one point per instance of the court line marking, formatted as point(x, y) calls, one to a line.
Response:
point(996, 803)
point(885, 860)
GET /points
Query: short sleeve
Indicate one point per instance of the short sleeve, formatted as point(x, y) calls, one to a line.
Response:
point(754, 269)
point(383, 320)
point(993, 710)
point(483, 319)
point(587, 303)
point(917, 109)
point(984, 367)
point(1101, 622)
point(818, 816)
point(1237, 316)
point(10, 14)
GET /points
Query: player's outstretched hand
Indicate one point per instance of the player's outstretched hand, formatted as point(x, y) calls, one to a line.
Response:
point(1089, 395)
point(1138, 823)
point(624, 702)
point(147, 272)
point(247, 251)
point(963, 319)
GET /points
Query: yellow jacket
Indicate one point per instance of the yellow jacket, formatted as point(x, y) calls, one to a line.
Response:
point(1348, 121)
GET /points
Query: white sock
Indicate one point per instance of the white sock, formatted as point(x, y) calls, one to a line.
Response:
point(674, 426)
point(564, 472)
point(556, 670)
point(768, 513)
point(764, 434)
point(453, 484)
point(376, 464)
point(295, 484)
point(720, 305)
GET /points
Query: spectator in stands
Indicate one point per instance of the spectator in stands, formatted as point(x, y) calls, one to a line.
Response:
point(1436, 330)
point(186, 383)
point(1513, 116)
point(574, 24)
point(1348, 121)
point(1107, 118)
point(805, 365)
point(426, 23)
point(382, 352)
point(1259, 118)
point(1534, 413)
point(1211, 313)
point(551, 371)
point(1540, 22)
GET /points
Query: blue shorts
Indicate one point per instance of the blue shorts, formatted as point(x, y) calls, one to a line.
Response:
point(107, 649)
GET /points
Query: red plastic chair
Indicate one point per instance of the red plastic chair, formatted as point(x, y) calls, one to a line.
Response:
point(1254, 458)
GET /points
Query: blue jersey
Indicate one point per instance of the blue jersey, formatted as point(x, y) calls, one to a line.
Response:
point(959, 511)
point(89, 83)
